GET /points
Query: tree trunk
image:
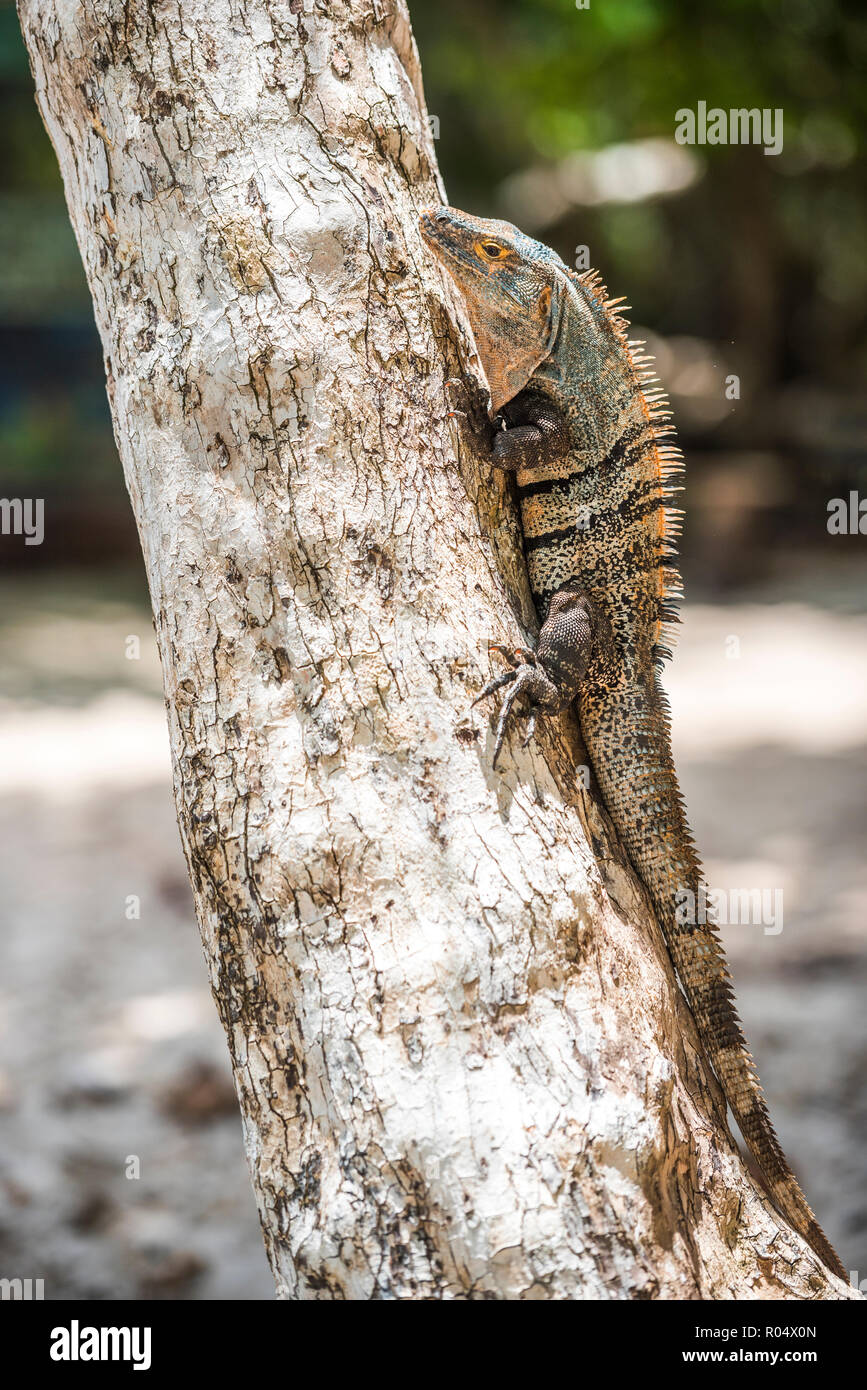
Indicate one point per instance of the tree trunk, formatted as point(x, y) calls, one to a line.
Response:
point(464, 1067)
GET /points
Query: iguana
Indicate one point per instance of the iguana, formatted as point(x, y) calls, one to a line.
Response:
point(585, 429)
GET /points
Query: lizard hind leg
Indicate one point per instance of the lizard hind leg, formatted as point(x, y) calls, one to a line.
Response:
point(496, 684)
point(503, 721)
point(549, 677)
point(526, 680)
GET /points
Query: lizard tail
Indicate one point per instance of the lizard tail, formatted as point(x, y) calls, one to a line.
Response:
point(638, 782)
point(697, 953)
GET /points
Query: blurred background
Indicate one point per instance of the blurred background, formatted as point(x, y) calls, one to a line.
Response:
point(121, 1164)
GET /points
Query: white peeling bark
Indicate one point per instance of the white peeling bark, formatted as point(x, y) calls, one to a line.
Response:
point(464, 1068)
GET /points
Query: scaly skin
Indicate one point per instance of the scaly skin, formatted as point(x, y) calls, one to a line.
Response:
point(586, 438)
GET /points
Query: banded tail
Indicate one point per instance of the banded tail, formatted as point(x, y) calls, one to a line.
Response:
point(643, 797)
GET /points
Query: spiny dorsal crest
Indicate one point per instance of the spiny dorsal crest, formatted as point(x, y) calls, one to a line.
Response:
point(667, 456)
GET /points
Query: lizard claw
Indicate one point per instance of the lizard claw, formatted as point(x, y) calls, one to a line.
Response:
point(524, 679)
point(516, 656)
point(503, 721)
point(473, 409)
point(496, 684)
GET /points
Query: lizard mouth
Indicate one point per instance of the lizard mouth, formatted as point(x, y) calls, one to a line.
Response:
point(435, 225)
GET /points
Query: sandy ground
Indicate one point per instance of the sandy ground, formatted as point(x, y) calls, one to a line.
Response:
point(121, 1163)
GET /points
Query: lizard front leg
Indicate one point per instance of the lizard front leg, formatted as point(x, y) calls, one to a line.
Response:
point(550, 678)
point(537, 434)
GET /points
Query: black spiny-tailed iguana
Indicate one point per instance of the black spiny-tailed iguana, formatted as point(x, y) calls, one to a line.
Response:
point(588, 438)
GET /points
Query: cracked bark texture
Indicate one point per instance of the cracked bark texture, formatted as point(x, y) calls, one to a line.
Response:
point(464, 1067)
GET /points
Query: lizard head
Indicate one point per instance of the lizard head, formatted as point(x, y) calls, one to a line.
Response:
point(512, 287)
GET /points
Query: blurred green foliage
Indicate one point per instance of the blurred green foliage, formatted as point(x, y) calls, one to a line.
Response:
point(522, 79)
point(55, 430)
point(42, 278)
point(522, 83)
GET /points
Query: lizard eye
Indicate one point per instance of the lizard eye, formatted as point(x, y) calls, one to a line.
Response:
point(491, 250)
